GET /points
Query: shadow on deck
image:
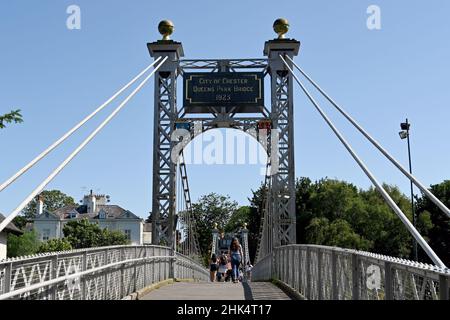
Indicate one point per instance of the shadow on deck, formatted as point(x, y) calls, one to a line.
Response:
point(218, 291)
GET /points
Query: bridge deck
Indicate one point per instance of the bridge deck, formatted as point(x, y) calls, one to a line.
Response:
point(218, 291)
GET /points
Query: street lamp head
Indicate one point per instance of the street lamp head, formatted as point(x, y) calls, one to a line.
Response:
point(403, 134)
point(405, 126)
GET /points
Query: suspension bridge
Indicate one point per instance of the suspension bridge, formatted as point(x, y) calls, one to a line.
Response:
point(218, 94)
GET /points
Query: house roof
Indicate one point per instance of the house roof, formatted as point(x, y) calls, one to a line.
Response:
point(11, 227)
point(111, 212)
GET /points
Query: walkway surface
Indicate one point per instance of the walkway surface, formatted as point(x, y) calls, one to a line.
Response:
point(218, 291)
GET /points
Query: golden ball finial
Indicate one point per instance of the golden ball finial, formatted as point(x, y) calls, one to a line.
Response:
point(281, 27)
point(245, 226)
point(166, 28)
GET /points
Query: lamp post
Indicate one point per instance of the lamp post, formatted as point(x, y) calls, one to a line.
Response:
point(404, 134)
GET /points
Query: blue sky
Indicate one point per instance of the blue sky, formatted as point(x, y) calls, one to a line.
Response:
point(57, 76)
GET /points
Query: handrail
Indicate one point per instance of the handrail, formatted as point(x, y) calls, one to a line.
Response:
point(42, 275)
point(329, 273)
point(77, 275)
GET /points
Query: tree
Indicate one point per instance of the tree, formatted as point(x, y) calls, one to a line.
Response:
point(14, 116)
point(434, 223)
point(20, 222)
point(378, 222)
point(24, 245)
point(336, 213)
point(209, 210)
point(53, 200)
point(254, 225)
point(315, 232)
point(112, 238)
point(237, 220)
point(304, 208)
point(55, 245)
point(339, 233)
point(82, 234)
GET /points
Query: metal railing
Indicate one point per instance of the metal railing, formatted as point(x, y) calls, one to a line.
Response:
point(325, 273)
point(109, 273)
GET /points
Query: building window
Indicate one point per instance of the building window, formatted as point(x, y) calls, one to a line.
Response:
point(45, 234)
point(73, 215)
point(128, 234)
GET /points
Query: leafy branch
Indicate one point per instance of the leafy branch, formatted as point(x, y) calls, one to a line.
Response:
point(13, 116)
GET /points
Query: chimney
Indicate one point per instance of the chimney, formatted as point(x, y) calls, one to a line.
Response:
point(91, 202)
point(40, 205)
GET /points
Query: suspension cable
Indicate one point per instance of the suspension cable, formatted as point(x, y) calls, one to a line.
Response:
point(77, 150)
point(378, 186)
point(73, 130)
point(427, 192)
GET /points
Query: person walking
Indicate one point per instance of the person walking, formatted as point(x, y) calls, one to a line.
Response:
point(229, 272)
point(222, 268)
point(236, 258)
point(248, 271)
point(213, 266)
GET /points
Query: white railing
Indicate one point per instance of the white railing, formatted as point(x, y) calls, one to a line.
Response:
point(325, 273)
point(109, 273)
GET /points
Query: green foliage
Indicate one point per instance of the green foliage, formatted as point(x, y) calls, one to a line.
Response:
point(382, 226)
point(238, 219)
point(339, 233)
point(112, 238)
point(254, 224)
point(55, 245)
point(14, 116)
point(82, 234)
point(434, 223)
point(304, 191)
point(209, 210)
point(315, 232)
point(336, 213)
point(20, 222)
point(53, 200)
point(24, 245)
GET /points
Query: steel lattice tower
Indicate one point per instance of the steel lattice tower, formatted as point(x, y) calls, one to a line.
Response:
point(282, 192)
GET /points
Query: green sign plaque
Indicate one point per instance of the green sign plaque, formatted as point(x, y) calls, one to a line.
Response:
point(242, 90)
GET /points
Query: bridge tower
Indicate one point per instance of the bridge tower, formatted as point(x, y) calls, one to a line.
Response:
point(165, 113)
point(282, 195)
point(281, 205)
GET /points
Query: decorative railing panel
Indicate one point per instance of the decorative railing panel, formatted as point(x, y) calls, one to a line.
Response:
point(325, 273)
point(110, 273)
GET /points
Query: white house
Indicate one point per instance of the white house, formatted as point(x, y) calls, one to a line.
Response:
point(50, 225)
point(10, 228)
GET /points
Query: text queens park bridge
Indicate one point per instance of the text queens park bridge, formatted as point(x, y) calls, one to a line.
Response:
point(222, 93)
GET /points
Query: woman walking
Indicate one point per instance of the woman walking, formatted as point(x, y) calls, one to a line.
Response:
point(236, 258)
point(213, 267)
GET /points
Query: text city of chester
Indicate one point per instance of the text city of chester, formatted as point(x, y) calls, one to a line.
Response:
point(223, 85)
